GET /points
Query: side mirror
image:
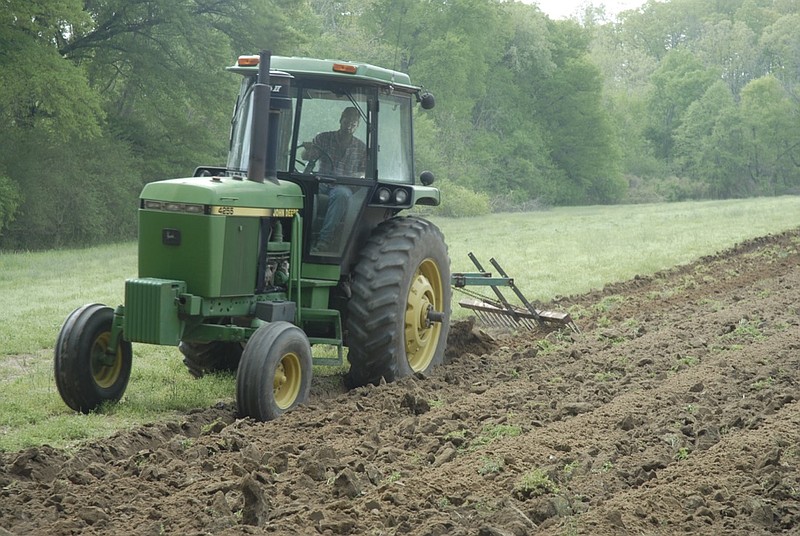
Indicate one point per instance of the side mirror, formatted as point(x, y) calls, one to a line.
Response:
point(426, 178)
point(427, 101)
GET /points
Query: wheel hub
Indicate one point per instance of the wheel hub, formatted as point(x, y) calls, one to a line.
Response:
point(105, 374)
point(424, 299)
point(286, 382)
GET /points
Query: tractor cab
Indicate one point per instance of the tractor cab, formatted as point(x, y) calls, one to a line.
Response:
point(345, 137)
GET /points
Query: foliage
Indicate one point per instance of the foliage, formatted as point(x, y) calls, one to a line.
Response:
point(10, 198)
point(75, 192)
point(678, 81)
point(39, 90)
point(460, 202)
point(720, 99)
point(101, 96)
point(535, 483)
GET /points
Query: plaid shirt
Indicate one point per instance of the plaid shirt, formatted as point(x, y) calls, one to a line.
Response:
point(348, 160)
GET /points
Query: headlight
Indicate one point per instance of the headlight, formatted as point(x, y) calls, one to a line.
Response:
point(171, 206)
point(384, 195)
point(400, 196)
point(194, 209)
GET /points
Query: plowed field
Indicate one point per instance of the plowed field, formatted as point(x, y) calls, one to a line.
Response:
point(674, 410)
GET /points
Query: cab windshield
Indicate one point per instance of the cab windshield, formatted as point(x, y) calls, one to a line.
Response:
point(333, 130)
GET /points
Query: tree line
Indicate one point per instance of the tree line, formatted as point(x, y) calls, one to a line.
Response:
point(684, 99)
point(705, 96)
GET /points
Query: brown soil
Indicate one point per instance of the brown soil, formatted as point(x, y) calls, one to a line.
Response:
point(673, 411)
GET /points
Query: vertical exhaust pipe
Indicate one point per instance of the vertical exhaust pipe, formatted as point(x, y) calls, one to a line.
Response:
point(260, 131)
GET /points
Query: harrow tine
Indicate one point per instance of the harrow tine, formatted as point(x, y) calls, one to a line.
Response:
point(486, 319)
point(509, 309)
point(516, 290)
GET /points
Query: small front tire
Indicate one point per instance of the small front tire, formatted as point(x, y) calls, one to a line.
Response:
point(85, 377)
point(274, 373)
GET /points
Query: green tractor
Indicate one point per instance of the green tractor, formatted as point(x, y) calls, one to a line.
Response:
point(296, 242)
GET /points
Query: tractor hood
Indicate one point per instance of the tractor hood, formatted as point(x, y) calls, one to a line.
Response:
point(219, 195)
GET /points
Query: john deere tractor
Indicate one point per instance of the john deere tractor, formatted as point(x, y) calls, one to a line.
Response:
point(229, 267)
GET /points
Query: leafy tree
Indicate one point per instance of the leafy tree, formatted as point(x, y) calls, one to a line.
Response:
point(345, 31)
point(160, 68)
point(709, 144)
point(580, 133)
point(679, 80)
point(780, 48)
point(771, 123)
point(508, 142)
point(658, 27)
point(732, 47)
point(74, 192)
point(757, 14)
point(109, 94)
point(38, 89)
point(10, 198)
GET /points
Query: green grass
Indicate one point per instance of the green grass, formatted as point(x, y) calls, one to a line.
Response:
point(40, 289)
point(557, 252)
point(572, 250)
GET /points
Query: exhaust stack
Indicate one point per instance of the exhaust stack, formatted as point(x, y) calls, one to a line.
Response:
point(259, 134)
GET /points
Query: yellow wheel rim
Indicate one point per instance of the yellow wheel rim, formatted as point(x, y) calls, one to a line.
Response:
point(421, 335)
point(287, 380)
point(105, 375)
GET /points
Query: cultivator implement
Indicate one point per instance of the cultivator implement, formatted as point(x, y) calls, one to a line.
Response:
point(498, 311)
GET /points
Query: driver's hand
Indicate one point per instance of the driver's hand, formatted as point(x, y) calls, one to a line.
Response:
point(310, 151)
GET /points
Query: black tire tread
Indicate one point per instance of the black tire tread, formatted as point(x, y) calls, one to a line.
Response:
point(253, 393)
point(72, 365)
point(375, 311)
point(215, 356)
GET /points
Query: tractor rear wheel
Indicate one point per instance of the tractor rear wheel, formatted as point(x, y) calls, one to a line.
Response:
point(85, 376)
point(274, 374)
point(399, 314)
point(216, 356)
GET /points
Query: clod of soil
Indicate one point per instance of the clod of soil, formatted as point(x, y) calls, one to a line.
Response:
point(674, 411)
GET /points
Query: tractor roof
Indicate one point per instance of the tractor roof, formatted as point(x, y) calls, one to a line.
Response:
point(331, 69)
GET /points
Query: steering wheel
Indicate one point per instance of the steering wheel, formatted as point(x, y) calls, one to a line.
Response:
point(308, 167)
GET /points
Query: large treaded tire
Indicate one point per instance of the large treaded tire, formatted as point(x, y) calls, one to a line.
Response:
point(402, 273)
point(274, 374)
point(83, 381)
point(217, 356)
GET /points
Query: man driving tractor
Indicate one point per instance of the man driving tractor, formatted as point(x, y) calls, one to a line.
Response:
point(340, 154)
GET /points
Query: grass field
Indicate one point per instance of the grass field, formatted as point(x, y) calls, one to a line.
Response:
point(557, 252)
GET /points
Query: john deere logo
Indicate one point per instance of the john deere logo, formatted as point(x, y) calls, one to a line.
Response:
point(171, 237)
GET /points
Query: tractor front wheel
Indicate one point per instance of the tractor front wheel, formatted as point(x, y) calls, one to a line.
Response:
point(399, 314)
point(87, 371)
point(274, 373)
